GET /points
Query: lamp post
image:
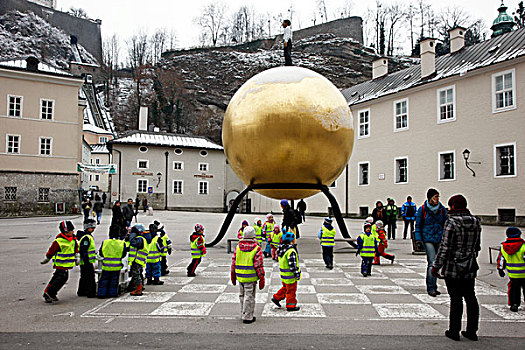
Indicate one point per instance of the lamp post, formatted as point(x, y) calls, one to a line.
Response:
point(159, 177)
point(466, 155)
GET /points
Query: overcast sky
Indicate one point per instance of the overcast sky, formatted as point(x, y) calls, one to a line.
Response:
point(125, 17)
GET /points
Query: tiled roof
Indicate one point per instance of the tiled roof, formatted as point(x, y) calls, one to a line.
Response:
point(496, 50)
point(42, 67)
point(165, 139)
point(99, 148)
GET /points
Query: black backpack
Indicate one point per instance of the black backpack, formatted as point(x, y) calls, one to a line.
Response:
point(298, 217)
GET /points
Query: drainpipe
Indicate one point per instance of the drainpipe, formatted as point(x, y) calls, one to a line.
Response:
point(166, 182)
point(119, 170)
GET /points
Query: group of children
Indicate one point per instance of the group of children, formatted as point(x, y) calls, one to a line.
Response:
point(145, 248)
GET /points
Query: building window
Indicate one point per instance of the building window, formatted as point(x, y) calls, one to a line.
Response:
point(503, 91)
point(178, 165)
point(177, 187)
point(401, 170)
point(14, 106)
point(97, 177)
point(142, 164)
point(43, 194)
point(90, 177)
point(446, 104)
point(505, 160)
point(143, 149)
point(203, 166)
point(142, 185)
point(97, 161)
point(401, 115)
point(178, 151)
point(46, 109)
point(364, 123)
point(447, 166)
point(203, 187)
point(203, 153)
point(364, 173)
point(10, 193)
point(102, 140)
point(13, 144)
point(45, 146)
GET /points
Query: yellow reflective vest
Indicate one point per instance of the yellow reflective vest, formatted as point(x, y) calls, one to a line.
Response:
point(66, 256)
point(369, 247)
point(244, 269)
point(515, 263)
point(287, 276)
point(92, 250)
point(328, 237)
point(139, 256)
point(154, 252)
point(196, 252)
point(112, 251)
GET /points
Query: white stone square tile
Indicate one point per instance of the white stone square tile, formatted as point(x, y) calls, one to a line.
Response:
point(393, 269)
point(172, 280)
point(314, 262)
point(148, 297)
point(357, 274)
point(331, 282)
point(177, 269)
point(305, 289)
point(371, 289)
point(317, 269)
point(203, 288)
point(483, 288)
point(442, 299)
point(342, 298)
point(409, 282)
point(233, 298)
point(410, 311)
point(215, 274)
point(183, 309)
point(307, 310)
point(504, 312)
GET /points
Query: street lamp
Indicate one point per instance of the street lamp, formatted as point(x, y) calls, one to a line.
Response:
point(466, 155)
point(159, 176)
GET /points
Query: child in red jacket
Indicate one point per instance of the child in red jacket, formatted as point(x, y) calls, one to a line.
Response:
point(65, 255)
point(382, 245)
point(198, 249)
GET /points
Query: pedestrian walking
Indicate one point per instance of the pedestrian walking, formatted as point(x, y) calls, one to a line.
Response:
point(327, 236)
point(408, 213)
point(391, 212)
point(366, 248)
point(138, 253)
point(289, 220)
point(144, 204)
point(153, 268)
point(267, 230)
point(86, 207)
point(512, 258)
point(275, 241)
point(198, 249)
point(118, 223)
point(104, 198)
point(97, 208)
point(87, 287)
point(382, 244)
point(244, 224)
point(137, 203)
point(379, 212)
point(430, 219)
point(247, 268)
point(301, 206)
point(287, 42)
point(456, 261)
point(257, 226)
point(112, 251)
point(290, 273)
point(165, 248)
point(64, 252)
point(128, 212)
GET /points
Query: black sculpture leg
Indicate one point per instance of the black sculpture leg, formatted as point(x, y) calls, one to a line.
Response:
point(338, 215)
point(229, 217)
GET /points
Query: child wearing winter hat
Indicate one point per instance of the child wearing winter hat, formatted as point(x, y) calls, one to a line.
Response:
point(327, 236)
point(247, 268)
point(87, 287)
point(64, 252)
point(290, 272)
point(198, 249)
point(267, 230)
point(244, 224)
point(367, 248)
point(512, 258)
point(275, 241)
point(382, 244)
point(257, 226)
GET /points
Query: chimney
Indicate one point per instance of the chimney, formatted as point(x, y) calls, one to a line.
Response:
point(379, 68)
point(457, 39)
point(32, 64)
point(428, 57)
point(143, 118)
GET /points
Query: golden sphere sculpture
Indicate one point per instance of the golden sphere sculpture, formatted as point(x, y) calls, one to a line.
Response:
point(288, 125)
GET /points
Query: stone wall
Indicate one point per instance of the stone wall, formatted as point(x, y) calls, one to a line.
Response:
point(63, 188)
point(87, 31)
point(350, 27)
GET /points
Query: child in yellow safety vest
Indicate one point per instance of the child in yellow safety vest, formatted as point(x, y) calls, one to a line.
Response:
point(87, 287)
point(512, 258)
point(112, 251)
point(257, 226)
point(267, 230)
point(327, 236)
point(153, 260)
point(275, 241)
point(382, 244)
point(244, 224)
point(64, 252)
point(290, 272)
point(247, 268)
point(138, 253)
point(367, 248)
point(165, 248)
point(198, 249)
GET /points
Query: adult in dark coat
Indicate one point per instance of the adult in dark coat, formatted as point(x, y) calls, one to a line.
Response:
point(379, 212)
point(301, 206)
point(461, 242)
point(128, 212)
point(118, 224)
point(104, 198)
point(289, 223)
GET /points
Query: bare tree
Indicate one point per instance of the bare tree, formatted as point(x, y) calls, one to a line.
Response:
point(211, 21)
point(395, 13)
point(345, 10)
point(519, 15)
point(410, 13)
point(138, 60)
point(78, 12)
point(157, 44)
point(172, 39)
point(321, 7)
point(110, 57)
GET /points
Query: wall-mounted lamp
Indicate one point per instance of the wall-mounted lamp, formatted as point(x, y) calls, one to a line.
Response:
point(466, 155)
point(159, 176)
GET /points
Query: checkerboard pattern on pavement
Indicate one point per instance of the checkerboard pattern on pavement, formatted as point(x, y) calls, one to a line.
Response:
point(394, 292)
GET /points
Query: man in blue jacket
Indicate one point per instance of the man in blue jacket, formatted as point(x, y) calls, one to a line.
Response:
point(430, 219)
point(408, 212)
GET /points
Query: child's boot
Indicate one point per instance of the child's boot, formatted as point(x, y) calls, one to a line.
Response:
point(138, 291)
point(150, 281)
point(157, 282)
